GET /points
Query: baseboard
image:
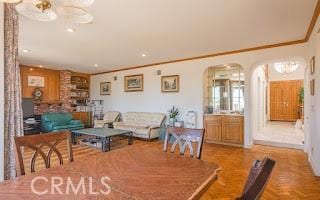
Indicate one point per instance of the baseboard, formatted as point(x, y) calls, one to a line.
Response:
point(279, 144)
point(223, 143)
point(314, 167)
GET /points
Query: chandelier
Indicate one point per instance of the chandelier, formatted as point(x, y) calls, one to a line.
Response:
point(48, 10)
point(286, 67)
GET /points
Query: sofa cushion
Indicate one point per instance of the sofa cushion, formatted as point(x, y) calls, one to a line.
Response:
point(143, 118)
point(142, 131)
point(68, 127)
point(131, 127)
point(58, 119)
point(75, 122)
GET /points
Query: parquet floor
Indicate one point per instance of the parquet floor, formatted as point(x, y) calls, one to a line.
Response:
point(292, 178)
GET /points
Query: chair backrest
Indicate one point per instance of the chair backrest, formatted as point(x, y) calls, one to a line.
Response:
point(184, 137)
point(257, 179)
point(111, 116)
point(36, 143)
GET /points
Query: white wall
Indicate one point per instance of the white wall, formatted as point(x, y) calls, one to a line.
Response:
point(191, 84)
point(1, 91)
point(296, 75)
point(258, 91)
point(312, 106)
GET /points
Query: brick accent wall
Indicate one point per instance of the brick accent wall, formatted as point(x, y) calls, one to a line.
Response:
point(64, 94)
point(39, 109)
point(65, 90)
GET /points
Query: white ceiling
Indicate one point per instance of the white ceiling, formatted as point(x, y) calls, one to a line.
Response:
point(163, 29)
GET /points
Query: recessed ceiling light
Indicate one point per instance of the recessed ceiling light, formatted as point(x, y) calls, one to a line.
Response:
point(71, 30)
point(96, 65)
point(144, 55)
point(26, 50)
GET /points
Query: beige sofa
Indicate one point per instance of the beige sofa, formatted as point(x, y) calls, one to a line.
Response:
point(143, 124)
point(108, 119)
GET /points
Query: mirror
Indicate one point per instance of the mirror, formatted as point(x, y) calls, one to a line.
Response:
point(224, 89)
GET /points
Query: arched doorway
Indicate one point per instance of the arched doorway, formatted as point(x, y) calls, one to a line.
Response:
point(276, 96)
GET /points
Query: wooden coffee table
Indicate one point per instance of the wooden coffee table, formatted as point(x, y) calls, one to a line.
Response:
point(104, 134)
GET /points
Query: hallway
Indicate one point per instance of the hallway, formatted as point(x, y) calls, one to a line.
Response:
point(282, 134)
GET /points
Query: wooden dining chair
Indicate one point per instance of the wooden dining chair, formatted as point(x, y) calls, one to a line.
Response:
point(257, 179)
point(37, 143)
point(185, 137)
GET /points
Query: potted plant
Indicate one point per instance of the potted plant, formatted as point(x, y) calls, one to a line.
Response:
point(301, 96)
point(173, 113)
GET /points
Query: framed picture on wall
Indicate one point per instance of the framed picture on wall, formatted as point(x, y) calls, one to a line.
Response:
point(35, 81)
point(170, 83)
point(133, 83)
point(312, 87)
point(105, 88)
point(313, 65)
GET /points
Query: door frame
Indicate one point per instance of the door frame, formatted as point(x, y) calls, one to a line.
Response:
point(249, 136)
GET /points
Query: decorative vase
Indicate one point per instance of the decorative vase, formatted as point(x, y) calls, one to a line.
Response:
point(172, 121)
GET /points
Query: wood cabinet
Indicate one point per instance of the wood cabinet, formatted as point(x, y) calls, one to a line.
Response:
point(224, 129)
point(85, 117)
point(284, 100)
point(213, 127)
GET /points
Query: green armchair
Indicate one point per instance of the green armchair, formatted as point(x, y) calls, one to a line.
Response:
point(54, 122)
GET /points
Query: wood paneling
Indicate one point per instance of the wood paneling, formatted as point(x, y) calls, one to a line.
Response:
point(51, 87)
point(85, 117)
point(292, 177)
point(224, 129)
point(284, 100)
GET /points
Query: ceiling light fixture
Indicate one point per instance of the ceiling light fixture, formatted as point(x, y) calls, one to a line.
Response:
point(79, 3)
point(75, 14)
point(286, 67)
point(96, 65)
point(45, 10)
point(71, 30)
point(41, 66)
point(144, 55)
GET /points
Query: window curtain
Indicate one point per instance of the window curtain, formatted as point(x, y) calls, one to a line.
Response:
point(13, 120)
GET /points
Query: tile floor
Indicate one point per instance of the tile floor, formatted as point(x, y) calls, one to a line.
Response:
point(281, 134)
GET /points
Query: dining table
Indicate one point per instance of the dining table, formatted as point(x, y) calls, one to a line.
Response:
point(132, 172)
